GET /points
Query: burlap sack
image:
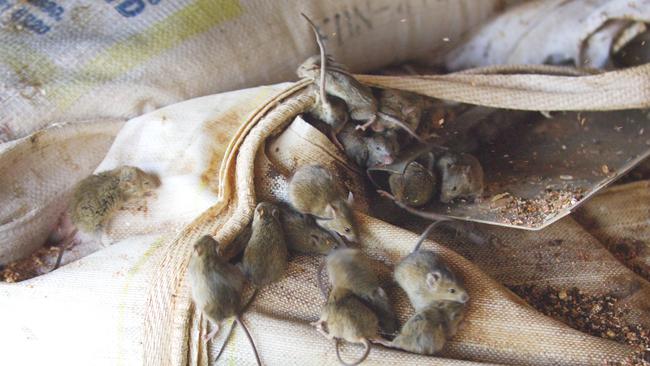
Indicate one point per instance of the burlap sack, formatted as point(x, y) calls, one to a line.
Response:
point(618, 217)
point(64, 61)
point(129, 303)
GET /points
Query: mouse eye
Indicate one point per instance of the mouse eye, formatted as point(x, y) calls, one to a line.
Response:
point(448, 165)
point(452, 290)
point(347, 230)
point(453, 188)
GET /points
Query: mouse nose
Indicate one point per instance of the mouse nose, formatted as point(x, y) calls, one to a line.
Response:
point(464, 298)
point(388, 160)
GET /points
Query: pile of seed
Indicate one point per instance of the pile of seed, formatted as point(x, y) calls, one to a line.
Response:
point(533, 212)
point(38, 263)
point(595, 315)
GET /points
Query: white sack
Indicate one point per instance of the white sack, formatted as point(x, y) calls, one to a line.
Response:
point(578, 32)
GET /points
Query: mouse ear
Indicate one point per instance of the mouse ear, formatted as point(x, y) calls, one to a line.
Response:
point(127, 173)
point(433, 278)
point(313, 239)
point(275, 212)
point(329, 211)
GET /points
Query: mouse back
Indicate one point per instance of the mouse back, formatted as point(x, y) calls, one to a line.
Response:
point(265, 256)
point(350, 269)
point(423, 333)
point(303, 235)
point(454, 314)
point(415, 187)
point(358, 97)
point(216, 285)
point(311, 188)
point(348, 318)
point(94, 200)
point(426, 278)
point(334, 113)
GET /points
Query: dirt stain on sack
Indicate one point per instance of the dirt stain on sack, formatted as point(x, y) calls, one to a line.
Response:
point(220, 130)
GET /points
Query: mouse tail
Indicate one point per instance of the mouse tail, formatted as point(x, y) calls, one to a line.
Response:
point(425, 234)
point(361, 359)
point(323, 61)
point(245, 328)
point(250, 340)
point(401, 125)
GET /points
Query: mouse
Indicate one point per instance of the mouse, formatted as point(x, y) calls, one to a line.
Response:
point(314, 191)
point(461, 175)
point(338, 82)
point(95, 200)
point(415, 187)
point(303, 235)
point(427, 331)
point(345, 317)
point(265, 256)
point(426, 278)
point(368, 150)
point(350, 269)
point(331, 110)
point(408, 107)
point(399, 110)
point(216, 287)
point(238, 244)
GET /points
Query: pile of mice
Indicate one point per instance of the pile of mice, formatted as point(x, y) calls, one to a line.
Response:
point(357, 309)
point(417, 174)
point(348, 107)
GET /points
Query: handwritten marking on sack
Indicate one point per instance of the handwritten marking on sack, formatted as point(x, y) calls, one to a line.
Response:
point(28, 14)
point(353, 22)
point(132, 8)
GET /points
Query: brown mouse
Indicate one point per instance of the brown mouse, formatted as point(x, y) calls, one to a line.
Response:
point(350, 269)
point(96, 199)
point(216, 287)
point(265, 256)
point(338, 82)
point(427, 331)
point(314, 191)
point(332, 111)
point(303, 235)
point(407, 107)
point(461, 175)
point(345, 317)
point(426, 279)
point(368, 150)
point(399, 110)
point(415, 187)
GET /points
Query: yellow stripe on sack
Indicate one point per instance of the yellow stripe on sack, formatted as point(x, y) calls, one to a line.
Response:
point(117, 60)
point(121, 311)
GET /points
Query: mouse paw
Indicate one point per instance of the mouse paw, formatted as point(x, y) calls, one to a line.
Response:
point(209, 336)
